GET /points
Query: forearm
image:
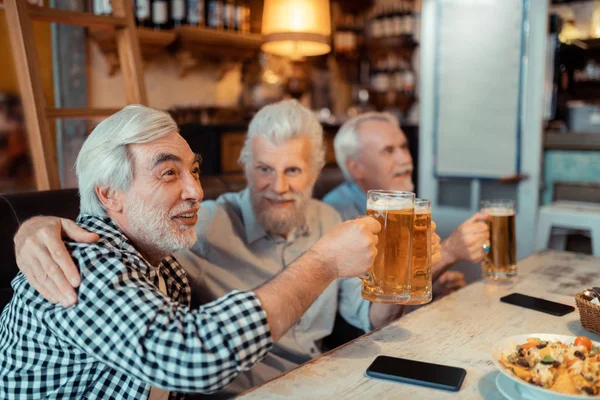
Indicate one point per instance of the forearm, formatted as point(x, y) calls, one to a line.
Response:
point(383, 314)
point(287, 296)
point(447, 260)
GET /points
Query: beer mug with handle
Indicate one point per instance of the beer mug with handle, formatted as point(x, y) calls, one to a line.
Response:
point(420, 283)
point(388, 280)
point(500, 261)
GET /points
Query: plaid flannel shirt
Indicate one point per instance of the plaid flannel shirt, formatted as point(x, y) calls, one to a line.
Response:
point(124, 336)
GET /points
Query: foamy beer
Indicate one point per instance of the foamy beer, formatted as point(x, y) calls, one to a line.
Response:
point(500, 261)
point(388, 280)
point(420, 282)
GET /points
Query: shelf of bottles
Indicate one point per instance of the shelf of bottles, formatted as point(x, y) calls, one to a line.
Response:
point(193, 29)
point(227, 15)
point(377, 48)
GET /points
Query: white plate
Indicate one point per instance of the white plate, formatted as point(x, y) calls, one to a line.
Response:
point(510, 389)
point(525, 388)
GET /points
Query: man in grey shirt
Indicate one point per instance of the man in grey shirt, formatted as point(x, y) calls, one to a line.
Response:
point(246, 238)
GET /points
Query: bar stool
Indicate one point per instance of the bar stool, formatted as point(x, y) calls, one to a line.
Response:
point(568, 215)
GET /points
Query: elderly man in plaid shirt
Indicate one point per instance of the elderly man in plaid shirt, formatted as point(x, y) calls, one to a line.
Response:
point(132, 334)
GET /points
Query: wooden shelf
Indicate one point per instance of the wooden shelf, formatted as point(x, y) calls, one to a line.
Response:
point(571, 141)
point(152, 42)
point(196, 43)
point(75, 18)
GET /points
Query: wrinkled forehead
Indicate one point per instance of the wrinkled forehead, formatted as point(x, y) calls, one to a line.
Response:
point(171, 147)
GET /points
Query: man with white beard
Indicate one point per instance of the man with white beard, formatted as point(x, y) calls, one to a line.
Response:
point(372, 152)
point(132, 334)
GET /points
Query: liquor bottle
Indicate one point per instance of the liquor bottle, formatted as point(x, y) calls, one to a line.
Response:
point(214, 14)
point(178, 13)
point(160, 14)
point(408, 19)
point(143, 17)
point(246, 24)
point(229, 15)
point(102, 7)
point(196, 13)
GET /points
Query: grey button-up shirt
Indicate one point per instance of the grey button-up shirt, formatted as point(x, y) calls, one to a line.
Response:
point(234, 252)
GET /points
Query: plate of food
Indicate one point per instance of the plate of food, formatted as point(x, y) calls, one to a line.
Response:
point(548, 366)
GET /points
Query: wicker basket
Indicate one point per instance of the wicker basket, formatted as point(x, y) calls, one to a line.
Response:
point(588, 313)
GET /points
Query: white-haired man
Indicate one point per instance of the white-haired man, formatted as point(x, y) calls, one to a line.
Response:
point(132, 334)
point(372, 152)
point(246, 238)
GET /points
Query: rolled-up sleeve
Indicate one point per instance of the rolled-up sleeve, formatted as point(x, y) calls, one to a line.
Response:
point(123, 320)
point(353, 308)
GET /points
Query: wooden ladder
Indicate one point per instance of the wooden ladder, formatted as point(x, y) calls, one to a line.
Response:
point(19, 16)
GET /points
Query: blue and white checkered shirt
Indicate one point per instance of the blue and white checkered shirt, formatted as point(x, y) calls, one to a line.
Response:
point(124, 336)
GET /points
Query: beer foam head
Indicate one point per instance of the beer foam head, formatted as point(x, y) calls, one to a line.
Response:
point(498, 212)
point(389, 203)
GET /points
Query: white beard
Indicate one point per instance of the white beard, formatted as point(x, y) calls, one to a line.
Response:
point(153, 229)
point(280, 221)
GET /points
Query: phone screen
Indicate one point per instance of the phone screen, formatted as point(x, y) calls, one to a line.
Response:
point(534, 303)
point(417, 372)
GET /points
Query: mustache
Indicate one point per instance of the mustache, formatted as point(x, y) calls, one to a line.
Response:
point(285, 197)
point(402, 171)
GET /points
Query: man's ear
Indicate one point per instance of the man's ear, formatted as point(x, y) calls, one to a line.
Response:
point(355, 169)
point(110, 198)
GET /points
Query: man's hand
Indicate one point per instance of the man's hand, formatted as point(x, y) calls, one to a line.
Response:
point(349, 248)
point(466, 242)
point(450, 282)
point(44, 260)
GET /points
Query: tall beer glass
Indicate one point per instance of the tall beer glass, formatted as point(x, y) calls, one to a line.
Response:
point(420, 283)
point(388, 280)
point(500, 262)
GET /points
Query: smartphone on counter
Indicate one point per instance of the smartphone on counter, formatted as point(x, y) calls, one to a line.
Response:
point(537, 304)
point(417, 373)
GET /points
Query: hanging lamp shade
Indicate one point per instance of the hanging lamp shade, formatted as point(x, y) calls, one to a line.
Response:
point(296, 28)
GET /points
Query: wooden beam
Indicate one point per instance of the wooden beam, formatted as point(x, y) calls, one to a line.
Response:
point(42, 146)
point(79, 113)
point(130, 56)
point(74, 17)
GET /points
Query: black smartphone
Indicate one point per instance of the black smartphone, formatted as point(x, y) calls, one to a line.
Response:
point(537, 304)
point(417, 373)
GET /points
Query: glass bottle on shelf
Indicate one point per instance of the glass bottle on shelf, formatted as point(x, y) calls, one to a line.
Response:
point(160, 14)
point(102, 7)
point(178, 13)
point(143, 17)
point(376, 24)
point(229, 15)
point(388, 22)
point(408, 19)
point(195, 12)
point(214, 14)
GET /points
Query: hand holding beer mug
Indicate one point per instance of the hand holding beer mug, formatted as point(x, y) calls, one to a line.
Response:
point(388, 280)
point(500, 261)
point(420, 283)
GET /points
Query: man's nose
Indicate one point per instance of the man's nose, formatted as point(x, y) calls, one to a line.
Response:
point(192, 189)
point(281, 184)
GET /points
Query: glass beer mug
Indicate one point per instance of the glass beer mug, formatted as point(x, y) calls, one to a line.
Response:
point(500, 261)
point(388, 280)
point(420, 283)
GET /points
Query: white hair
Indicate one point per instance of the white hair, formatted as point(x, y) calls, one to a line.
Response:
point(282, 121)
point(347, 141)
point(104, 159)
